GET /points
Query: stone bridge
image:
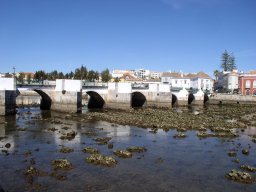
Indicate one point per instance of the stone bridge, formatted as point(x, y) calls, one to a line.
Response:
point(67, 96)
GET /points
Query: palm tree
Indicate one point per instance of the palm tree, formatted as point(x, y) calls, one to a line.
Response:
point(216, 72)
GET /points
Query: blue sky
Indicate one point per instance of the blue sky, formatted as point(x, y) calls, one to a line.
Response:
point(160, 35)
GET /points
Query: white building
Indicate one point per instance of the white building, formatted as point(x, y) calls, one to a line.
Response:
point(155, 75)
point(176, 80)
point(200, 80)
point(142, 73)
point(227, 81)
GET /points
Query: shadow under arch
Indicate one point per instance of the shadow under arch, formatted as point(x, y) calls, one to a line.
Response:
point(46, 101)
point(174, 100)
point(95, 100)
point(191, 98)
point(138, 99)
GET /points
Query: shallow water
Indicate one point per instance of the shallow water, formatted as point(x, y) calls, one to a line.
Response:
point(169, 164)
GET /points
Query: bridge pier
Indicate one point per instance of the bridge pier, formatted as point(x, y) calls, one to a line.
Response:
point(158, 96)
point(7, 96)
point(119, 96)
point(7, 102)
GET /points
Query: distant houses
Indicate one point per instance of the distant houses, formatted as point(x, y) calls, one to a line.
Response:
point(198, 81)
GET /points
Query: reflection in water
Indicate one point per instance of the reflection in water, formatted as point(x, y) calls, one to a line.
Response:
point(169, 164)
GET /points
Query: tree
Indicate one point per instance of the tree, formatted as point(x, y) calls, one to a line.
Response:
point(105, 75)
point(40, 76)
point(225, 60)
point(80, 73)
point(60, 75)
point(21, 78)
point(228, 61)
point(216, 72)
point(91, 75)
point(117, 79)
point(231, 62)
point(29, 78)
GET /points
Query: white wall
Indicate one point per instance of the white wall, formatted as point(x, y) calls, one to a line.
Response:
point(68, 85)
point(124, 88)
point(7, 84)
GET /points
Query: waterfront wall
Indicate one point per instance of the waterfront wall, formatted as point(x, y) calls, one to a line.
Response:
point(232, 99)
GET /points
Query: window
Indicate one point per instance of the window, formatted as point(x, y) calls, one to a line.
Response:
point(185, 82)
point(248, 84)
point(254, 84)
point(176, 82)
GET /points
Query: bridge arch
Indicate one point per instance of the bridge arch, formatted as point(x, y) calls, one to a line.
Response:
point(174, 100)
point(46, 100)
point(191, 98)
point(95, 100)
point(138, 99)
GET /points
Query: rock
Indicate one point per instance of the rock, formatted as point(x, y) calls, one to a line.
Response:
point(232, 154)
point(90, 150)
point(68, 136)
point(239, 176)
point(180, 135)
point(62, 164)
point(102, 140)
point(248, 168)
point(110, 146)
point(136, 149)
point(7, 145)
point(245, 151)
point(98, 159)
point(123, 153)
point(66, 150)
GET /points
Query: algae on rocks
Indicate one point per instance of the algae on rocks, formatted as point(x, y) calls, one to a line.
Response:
point(62, 164)
point(123, 153)
point(98, 159)
point(240, 176)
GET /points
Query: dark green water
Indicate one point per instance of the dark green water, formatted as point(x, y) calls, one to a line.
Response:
point(169, 164)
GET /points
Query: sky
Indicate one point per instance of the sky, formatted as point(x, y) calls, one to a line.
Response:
point(159, 35)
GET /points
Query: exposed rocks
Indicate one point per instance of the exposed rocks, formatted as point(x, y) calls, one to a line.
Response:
point(102, 140)
point(68, 136)
point(232, 154)
point(62, 164)
point(248, 168)
point(245, 151)
point(66, 150)
point(123, 153)
point(98, 159)
point(180, 135)
point(7, 145)
point(90, 150)
point(136, 149)
point(239, 176)
point(53, 129)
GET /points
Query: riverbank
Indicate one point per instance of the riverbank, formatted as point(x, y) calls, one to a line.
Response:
point(194, 118)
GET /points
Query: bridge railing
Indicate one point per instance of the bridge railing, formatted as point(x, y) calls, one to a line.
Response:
point(140, 86)
point(95, 85)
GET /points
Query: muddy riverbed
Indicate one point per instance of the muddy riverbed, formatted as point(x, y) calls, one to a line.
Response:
point(182, 149)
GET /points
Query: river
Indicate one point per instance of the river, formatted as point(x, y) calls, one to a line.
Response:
point(169, 164)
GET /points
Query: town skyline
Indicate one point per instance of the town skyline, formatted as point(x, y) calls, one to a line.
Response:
point(160, 35)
